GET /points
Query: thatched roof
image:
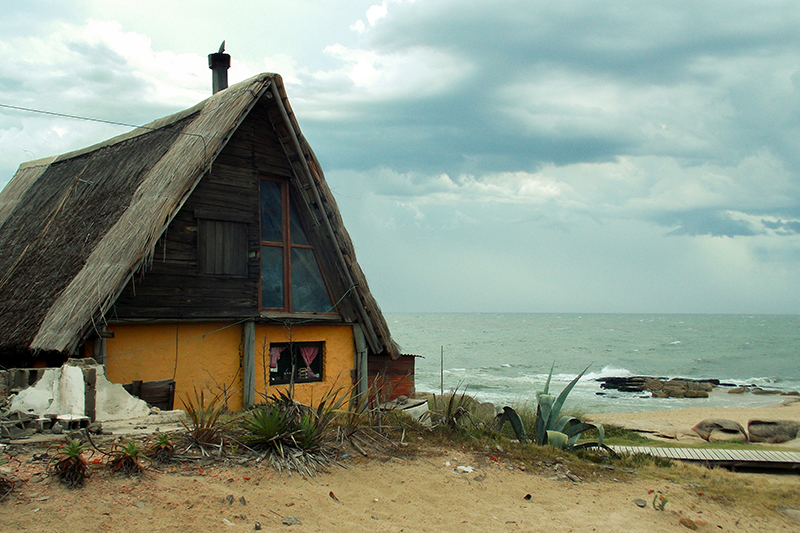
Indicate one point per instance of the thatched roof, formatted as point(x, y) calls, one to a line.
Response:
point(74, 228)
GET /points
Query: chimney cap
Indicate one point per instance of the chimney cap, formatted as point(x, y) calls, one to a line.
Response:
point(219, 63)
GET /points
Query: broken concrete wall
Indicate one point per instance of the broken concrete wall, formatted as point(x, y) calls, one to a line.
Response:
point(78, 388)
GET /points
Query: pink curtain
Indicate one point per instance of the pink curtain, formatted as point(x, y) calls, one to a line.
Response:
point(274, 355)
point(309, 353)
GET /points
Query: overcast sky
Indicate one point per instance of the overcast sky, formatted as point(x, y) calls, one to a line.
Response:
point(502, 156)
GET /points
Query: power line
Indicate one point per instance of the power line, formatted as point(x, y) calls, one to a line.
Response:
point(102, 121)
point(65, 115)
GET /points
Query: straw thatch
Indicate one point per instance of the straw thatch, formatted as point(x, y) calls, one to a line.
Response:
point(75, 228)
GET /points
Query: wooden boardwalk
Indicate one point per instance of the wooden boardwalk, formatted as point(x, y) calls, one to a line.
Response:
point(719, 457)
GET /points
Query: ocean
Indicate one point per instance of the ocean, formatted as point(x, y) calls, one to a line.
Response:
point(505, 358)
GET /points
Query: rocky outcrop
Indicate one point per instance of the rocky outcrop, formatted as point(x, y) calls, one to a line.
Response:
point(661, 387)
point(773, 431)
point(720, 430)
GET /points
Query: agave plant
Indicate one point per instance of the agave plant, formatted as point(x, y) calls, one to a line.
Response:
point(549, 427)
point(70, 466)
point(161, 448)
point(266, 426)
point(204, 426)
point(6, 483)
point(127, 457)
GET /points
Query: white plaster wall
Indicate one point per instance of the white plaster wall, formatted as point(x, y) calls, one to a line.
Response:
point(113, 401)
point(69, 396)
point(61, 391)
point(38, 398)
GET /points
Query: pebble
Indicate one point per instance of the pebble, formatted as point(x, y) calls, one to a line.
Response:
point(640, 502)
point(291, 521)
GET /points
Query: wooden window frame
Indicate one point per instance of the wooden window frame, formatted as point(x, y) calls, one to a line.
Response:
point(286, 248)
point(298, 364)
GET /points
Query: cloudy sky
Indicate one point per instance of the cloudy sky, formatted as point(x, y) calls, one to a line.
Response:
point(502, 156)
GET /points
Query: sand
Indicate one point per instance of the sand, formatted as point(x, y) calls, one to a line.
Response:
point(410, 492)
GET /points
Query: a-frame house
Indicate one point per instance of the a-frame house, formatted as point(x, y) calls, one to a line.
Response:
point(205, 247)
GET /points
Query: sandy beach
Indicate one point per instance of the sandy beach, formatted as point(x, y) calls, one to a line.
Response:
point(418, 488)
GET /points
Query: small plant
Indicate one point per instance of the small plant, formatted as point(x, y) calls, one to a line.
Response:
point(161, 449)
point(70, 466)
point(549, 427)
point(6, 483)
point(659, 502)
point(126, 458)
point(452, 410)
point(204, 425)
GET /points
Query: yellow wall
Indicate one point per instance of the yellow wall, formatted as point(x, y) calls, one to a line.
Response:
point(209, 357)
point(337, 358)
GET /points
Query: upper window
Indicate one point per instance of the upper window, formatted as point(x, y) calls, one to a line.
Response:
point(291, 279)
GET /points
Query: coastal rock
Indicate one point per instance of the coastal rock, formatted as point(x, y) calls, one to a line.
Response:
point(759, 390)
point(721, 430)
point(773, 431)
point(739, 390)
point(724, 435)
point(661, 387)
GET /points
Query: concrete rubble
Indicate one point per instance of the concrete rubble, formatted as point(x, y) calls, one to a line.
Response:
point(74, 396)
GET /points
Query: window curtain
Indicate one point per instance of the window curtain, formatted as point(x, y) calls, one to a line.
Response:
point(309, 353)
point(274, 355)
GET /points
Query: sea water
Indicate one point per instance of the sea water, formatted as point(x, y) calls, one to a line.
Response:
point(505, 358)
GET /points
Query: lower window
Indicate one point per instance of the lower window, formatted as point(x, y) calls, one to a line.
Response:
point(303, 360)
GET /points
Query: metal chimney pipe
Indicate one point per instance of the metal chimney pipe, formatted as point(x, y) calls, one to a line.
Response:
point(219, 64)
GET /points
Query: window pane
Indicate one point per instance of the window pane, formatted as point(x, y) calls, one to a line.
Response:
point(309, 294)
point(272, 277)
point(271, 212)
point(298, 236)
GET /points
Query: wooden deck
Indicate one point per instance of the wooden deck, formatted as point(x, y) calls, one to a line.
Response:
point(719, 457)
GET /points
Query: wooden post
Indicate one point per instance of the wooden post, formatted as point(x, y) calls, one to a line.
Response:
point(248, 364)
point(361, 361)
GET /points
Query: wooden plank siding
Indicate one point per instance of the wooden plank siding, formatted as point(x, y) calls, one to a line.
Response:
point(174, 286)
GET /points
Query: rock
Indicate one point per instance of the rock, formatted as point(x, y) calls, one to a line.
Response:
point(773, 431)
point(653, 384)
point(699, 386)
point(640, 502)
point(291, 521)
point(759, 390)
point(725, 429)
point(794, 514)
point(723, 435)
point(696, 394)
point(688, 523)
point(739, 390)
point(660, 394)
point(790, 393)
